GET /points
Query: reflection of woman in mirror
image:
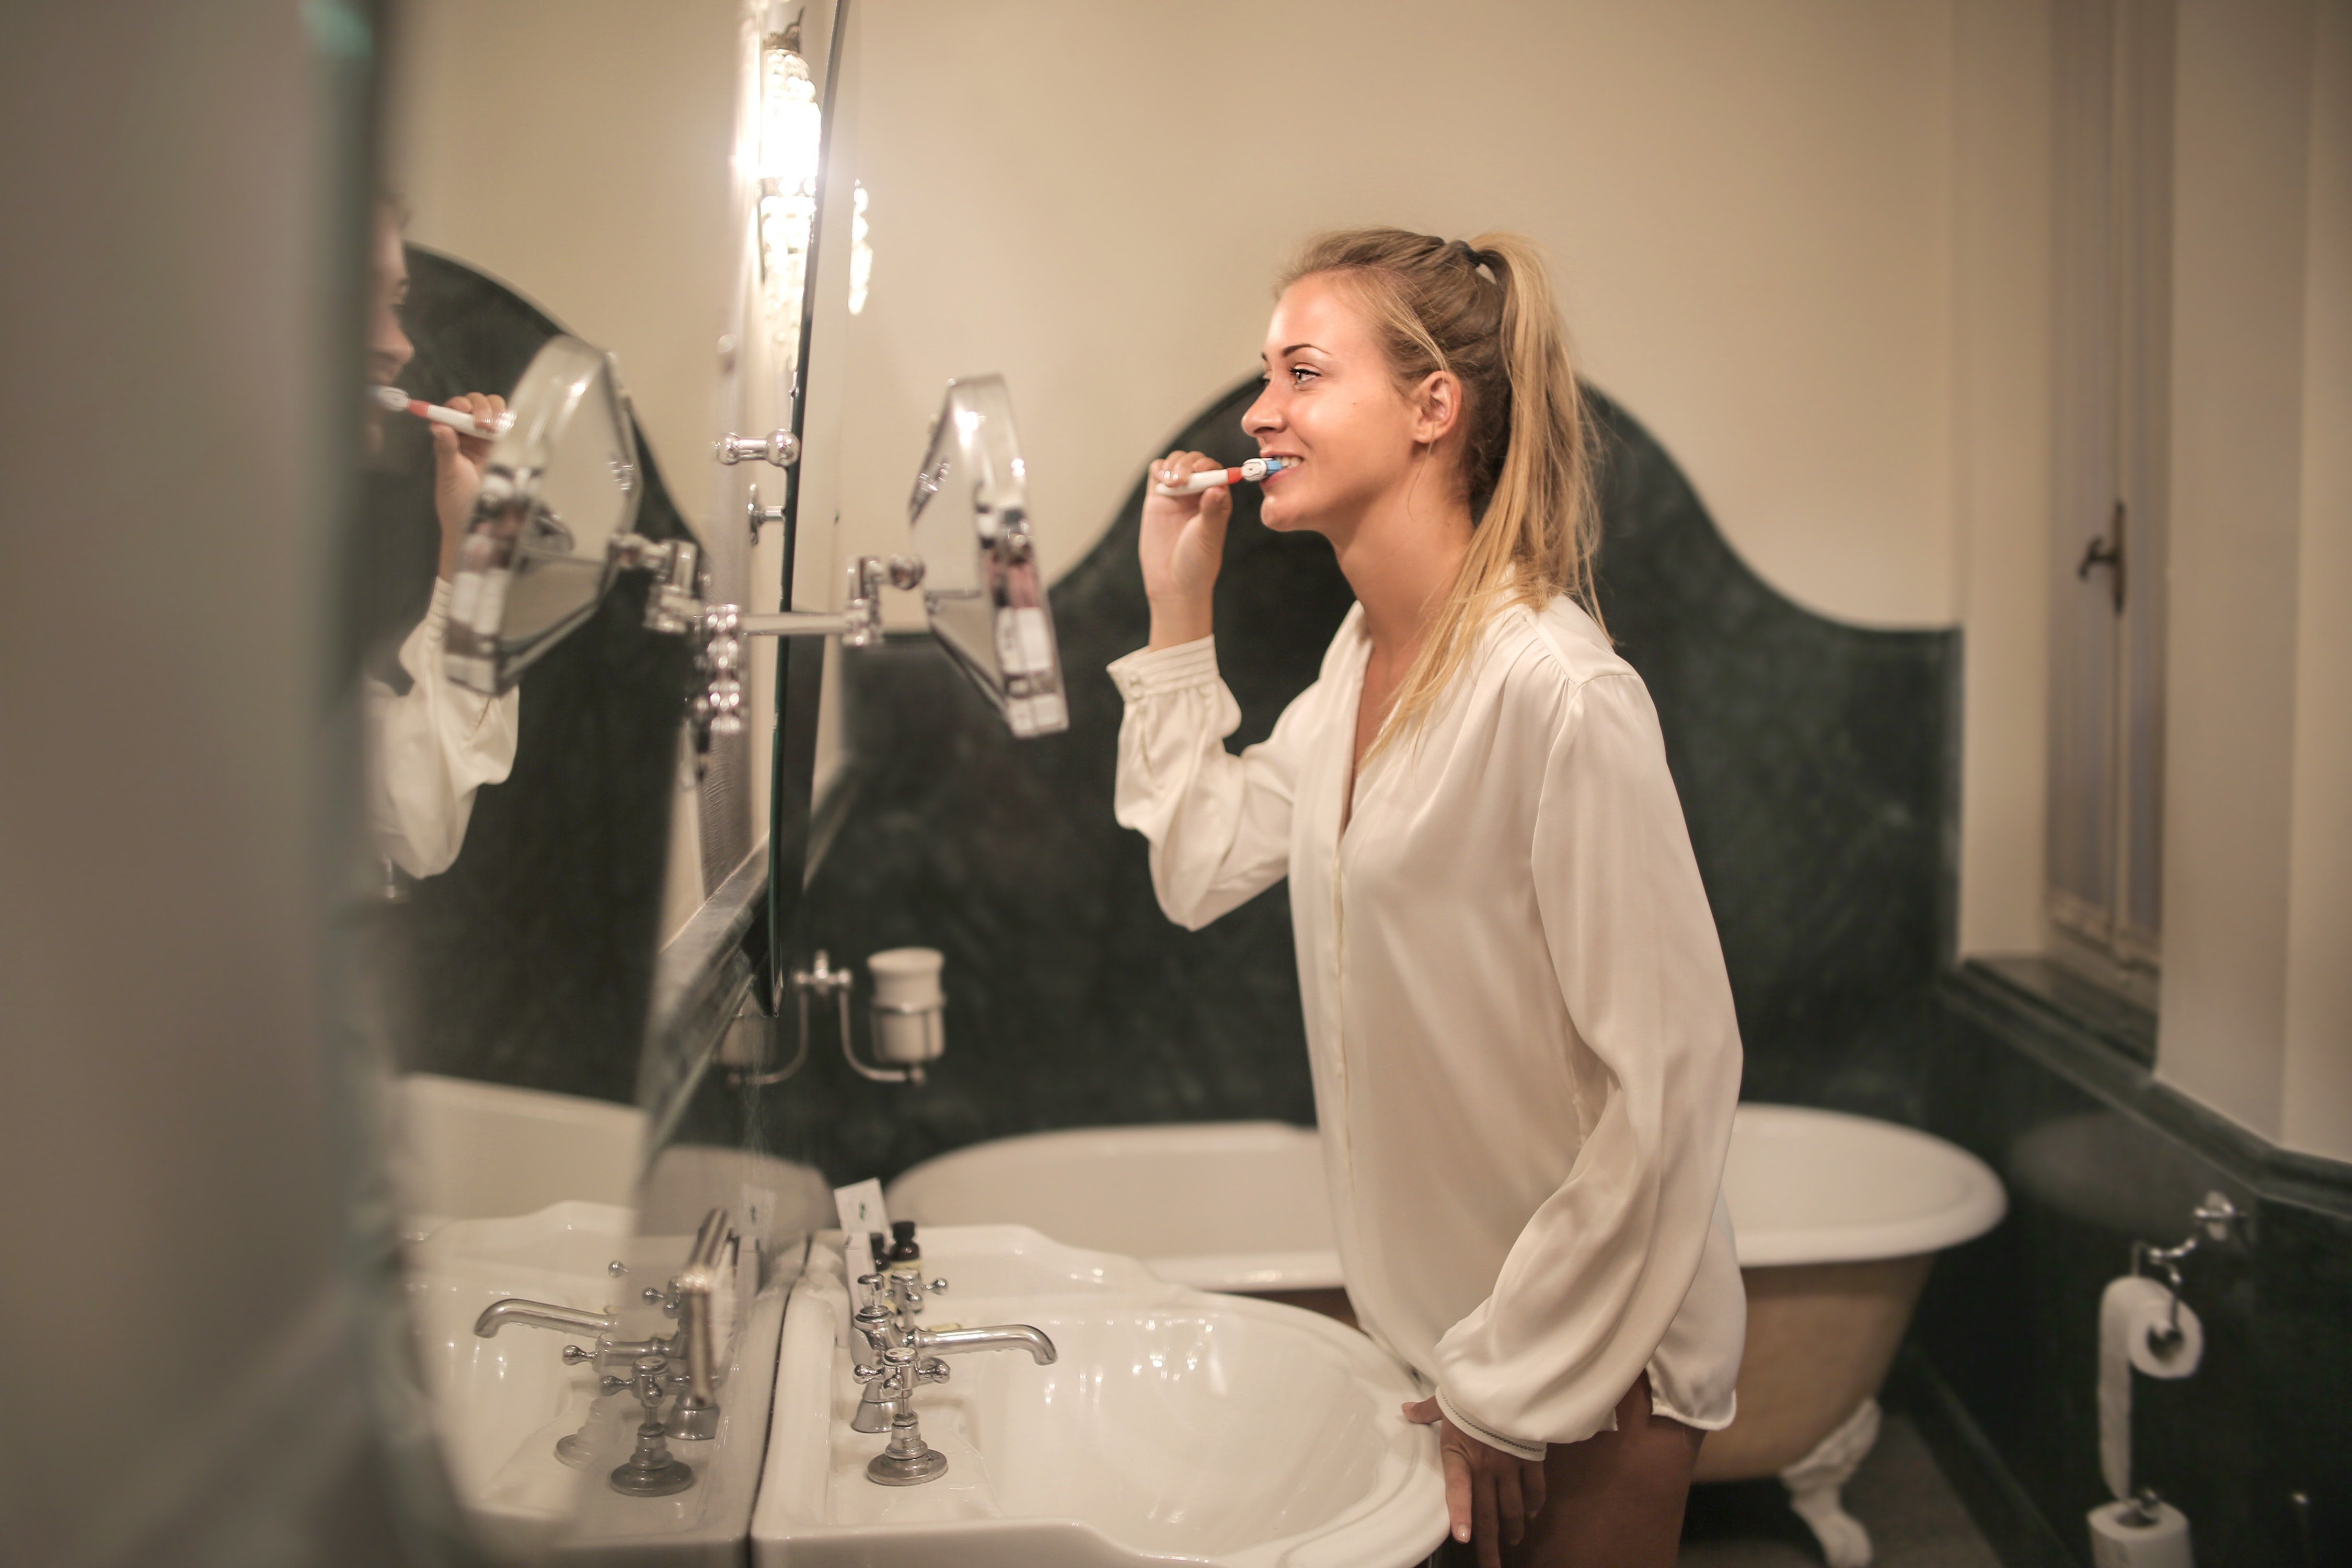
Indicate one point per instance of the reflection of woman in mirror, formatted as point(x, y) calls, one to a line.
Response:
point(1524, 1051)
point(431, 744)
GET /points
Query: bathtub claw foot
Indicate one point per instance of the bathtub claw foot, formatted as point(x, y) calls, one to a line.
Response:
point(1816, 1482)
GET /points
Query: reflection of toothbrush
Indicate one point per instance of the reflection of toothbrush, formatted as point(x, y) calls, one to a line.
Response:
point(399, 401)
point(1216, 479)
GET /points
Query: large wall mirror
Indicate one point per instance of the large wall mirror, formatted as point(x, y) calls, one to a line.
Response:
point(596, 613)
point(601, 241)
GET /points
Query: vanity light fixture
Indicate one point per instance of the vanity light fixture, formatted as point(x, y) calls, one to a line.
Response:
point(791, 134)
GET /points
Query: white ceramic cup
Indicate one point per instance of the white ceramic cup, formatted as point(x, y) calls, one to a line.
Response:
point(908, 977)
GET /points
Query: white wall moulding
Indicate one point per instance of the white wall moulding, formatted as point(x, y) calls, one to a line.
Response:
point(2318, 1087)
point(2242, 215)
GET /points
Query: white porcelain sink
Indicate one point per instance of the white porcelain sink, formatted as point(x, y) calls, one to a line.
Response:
point(1174, 1426)
point(501, 1405)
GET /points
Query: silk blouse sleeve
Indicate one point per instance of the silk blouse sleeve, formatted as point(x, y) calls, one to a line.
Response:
point(432, 748)
point(1219, 825)
point(1590, 1287)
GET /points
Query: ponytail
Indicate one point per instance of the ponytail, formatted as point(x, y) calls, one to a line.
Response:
point(1484, 312)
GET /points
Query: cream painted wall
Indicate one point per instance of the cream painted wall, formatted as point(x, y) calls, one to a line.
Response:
point(2255, 1019)
point(579, 151)
point(1805, 241)
point(1750, 207)
point(2317, 1093)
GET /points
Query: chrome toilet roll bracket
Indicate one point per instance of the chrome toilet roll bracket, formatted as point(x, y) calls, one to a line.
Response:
point(2218, 1220)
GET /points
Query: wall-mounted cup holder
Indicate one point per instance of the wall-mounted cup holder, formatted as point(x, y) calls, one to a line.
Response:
point(908, 1021)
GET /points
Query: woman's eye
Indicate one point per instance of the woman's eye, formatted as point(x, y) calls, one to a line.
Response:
point(1301, 374)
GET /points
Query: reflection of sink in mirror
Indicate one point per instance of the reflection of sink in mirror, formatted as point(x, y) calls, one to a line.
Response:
point(470, 1150)
point(1172, 1425)
point(503, 1403)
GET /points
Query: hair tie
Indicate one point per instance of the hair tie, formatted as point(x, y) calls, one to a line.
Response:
point(1474, 258)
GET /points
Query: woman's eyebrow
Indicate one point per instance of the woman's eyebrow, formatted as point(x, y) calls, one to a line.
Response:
point(1291, 350)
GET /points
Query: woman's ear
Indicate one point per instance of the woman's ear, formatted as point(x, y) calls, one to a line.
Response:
point(1436, 406)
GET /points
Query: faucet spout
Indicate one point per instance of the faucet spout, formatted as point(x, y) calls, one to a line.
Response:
point(1005, 1336)
point(542, 1315)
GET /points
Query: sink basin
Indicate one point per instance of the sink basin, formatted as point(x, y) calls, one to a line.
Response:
point(1175, 1426)
point(502, 1403)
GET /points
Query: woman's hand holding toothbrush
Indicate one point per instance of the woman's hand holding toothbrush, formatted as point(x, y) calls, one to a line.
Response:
point(458, 462)
point(1183, 543)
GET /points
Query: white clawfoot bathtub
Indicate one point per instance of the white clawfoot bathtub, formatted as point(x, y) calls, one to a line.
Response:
point(1838, 1217)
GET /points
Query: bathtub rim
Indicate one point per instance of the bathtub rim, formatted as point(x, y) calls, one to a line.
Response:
point(1287, 1269)
point(1979, 1204)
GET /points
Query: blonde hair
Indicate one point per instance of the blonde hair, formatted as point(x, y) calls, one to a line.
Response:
point(1482, 310)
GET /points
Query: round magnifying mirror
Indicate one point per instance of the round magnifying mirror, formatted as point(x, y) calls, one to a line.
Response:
point(986, 599)
point(559, 486)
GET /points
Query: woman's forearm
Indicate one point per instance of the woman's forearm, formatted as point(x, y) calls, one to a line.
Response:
point(1175, 622)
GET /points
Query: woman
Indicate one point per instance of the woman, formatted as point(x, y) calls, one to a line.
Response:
point(1524, 1051)
point(431, 745)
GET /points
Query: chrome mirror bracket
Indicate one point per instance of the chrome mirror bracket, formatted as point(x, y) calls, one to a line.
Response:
point(781, 447)
point(755, 515)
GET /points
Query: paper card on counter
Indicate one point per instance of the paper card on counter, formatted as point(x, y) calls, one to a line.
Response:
point(861, 1211)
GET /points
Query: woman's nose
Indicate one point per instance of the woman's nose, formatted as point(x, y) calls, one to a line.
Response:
point(391, 349)
point(1262, 416)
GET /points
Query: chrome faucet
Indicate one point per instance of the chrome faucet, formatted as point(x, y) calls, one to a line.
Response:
point(543, 1315)
point(904, 1357)
point(893, 1303)
point(684, 1363)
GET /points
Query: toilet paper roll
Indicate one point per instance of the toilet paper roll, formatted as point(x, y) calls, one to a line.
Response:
point(2132, 1313)
point(2116, 1542)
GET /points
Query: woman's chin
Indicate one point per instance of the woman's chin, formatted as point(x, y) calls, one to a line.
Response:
point(1284, 516)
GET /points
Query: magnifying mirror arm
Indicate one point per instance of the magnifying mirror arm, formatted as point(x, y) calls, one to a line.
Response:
point(801, 624)
point(676, 606)
point(858, 623)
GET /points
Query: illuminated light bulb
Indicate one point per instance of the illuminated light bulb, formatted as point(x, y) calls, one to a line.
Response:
point(790, 133)
point(861, 253)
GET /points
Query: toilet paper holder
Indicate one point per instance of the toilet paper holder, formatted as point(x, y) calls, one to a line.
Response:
point(2217, 1221)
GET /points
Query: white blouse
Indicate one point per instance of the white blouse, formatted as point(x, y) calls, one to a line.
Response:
point(1521, 1031)
point(430, 748)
